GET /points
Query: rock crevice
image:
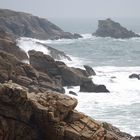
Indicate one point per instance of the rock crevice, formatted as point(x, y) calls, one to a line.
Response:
point(48, 116)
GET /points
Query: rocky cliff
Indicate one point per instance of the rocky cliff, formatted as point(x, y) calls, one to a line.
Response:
point(48, 116)
point(110, 28)
point(8, 44)
point(21, 24)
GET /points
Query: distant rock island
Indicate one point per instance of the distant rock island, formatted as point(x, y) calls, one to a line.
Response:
point(110, 28)
point(20, 24)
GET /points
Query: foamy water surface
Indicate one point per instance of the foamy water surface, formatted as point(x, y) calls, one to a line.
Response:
point(113, 61)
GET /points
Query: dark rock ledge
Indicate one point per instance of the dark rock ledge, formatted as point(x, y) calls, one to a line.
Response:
point(68, 76)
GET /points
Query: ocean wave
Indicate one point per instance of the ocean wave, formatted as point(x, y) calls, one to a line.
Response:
point(135, 39)
point(86, 36)
point(27, 44)
point(110, 69)
point(76, 62)
point(117, 107)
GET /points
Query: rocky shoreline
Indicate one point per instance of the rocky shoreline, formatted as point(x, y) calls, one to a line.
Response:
point(33, 105)
point(48, 116)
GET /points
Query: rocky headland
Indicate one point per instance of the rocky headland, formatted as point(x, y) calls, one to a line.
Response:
point(110, 28)
point(20, 24)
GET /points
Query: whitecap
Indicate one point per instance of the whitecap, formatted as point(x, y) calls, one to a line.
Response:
point(27, 44)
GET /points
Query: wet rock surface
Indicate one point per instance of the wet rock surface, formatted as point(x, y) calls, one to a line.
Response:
point(69, 76)
point(89, 86)
point(89, 70)
point(134, 75)
point(73, 93)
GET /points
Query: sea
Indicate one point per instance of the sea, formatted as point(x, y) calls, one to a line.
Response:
point(113, 61)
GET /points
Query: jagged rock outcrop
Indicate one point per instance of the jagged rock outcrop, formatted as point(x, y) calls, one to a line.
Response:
point(24, 74)
point(54, 53)
point(8, 44)
point(69, 76)
point(136, 138)
point(89, 70)
point(110, 28)
point(21, 24)
point(73, 93)
point(134, 75)
point(48, 116)
point(89, 86)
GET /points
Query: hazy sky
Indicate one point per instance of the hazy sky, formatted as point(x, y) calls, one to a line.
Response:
point(75, 8)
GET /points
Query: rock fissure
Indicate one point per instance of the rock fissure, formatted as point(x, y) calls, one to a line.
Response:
point(14, 119)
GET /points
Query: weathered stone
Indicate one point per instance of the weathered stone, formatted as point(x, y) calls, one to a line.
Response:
point(89, 70)
point(72, 76)
point(22, 80)
point(8, 44)
point(48, 116)
point(134, 75)
point(43, 63)
point(110, 28)
point(73, 93)
point(76, 36)
point(89, 86)
point(24, 74)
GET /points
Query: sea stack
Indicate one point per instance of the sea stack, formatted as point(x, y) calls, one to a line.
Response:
point(110, 28)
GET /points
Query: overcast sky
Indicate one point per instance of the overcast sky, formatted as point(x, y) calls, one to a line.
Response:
point(75, 8)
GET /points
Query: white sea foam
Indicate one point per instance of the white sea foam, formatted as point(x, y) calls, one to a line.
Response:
point(87, 36)
point(76, 62)
point(117, 107)
point(135, 39)
point(30, 44)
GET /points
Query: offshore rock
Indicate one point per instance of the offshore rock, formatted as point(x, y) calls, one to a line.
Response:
point(48, 116)
point(89, 70)
point(73, 93)
point(134, 75)
point(89, 86)
point(110, 28)
point(20, 24)
point(8, 44)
